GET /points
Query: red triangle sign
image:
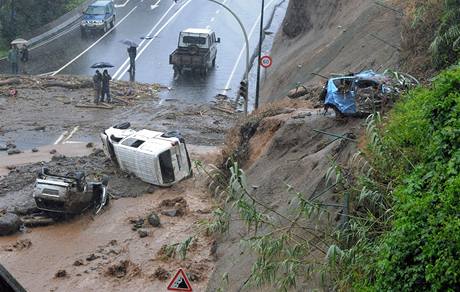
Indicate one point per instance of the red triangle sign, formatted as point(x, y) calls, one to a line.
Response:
point(180, 282)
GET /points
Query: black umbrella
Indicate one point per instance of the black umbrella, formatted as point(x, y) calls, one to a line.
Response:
point(101, 65)
point(129, 43)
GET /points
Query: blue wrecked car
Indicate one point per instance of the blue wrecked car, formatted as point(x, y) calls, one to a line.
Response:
point(99, 16)
point(357, 94)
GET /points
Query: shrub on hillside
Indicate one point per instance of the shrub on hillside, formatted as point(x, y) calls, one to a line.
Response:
point(420, 154)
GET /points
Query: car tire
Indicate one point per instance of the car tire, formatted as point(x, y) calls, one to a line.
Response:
point(112, 23)
point(214, 62)
point(105, 29)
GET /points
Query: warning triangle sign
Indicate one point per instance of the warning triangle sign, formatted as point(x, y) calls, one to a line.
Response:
point(180, 282)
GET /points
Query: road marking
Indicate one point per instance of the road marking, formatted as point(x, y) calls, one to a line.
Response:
point(227, 85)
point(71, 134)
point(156, 5)
point(143, 41)
point(154, 36)
point(95, 43)
point(122, 5)
point(46, 74)
point(60, 138)
point(74, 142)
point(212, 19)
point(218, 11)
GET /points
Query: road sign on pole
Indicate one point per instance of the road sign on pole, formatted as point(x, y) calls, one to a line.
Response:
point(266, 61)
point(180, 282)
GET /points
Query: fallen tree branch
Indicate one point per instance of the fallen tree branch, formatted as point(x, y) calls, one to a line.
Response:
point(10, 81)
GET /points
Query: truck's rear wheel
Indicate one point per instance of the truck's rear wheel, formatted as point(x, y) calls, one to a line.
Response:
point(204, 72)
point(177, 72)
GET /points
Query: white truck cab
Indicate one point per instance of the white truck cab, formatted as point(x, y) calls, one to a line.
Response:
point(155, 157)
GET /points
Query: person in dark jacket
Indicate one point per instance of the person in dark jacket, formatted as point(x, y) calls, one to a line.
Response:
point(97, 80)
point(106, 87)
point(24, 54)
point(132, 53)
point(13, 56)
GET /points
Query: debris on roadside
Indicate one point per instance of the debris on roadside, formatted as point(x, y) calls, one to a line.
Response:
point(142, 233)
point(78, 262)
point(123, 268)
point(154, 219)
point(173, 207)
point(161, 274)
point(19, 245)
point(13, 151)
point(365, 92)
point(61, 274)
point(9, 223)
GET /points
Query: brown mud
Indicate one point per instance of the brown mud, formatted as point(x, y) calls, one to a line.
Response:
point(104, 253)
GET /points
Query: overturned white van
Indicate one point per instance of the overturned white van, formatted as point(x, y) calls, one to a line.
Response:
point(155, 157)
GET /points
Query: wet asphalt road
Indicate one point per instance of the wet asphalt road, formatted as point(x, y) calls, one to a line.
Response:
point(162, 20)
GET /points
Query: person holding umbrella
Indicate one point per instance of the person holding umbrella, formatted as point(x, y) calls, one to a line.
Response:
point(132, 53)
point(97, 80)
point(13, 56)
point(106, 87)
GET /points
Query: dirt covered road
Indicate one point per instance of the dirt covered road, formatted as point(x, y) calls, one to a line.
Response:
point(122, 249)
point(49, 110)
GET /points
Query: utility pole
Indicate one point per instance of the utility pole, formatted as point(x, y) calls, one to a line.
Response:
point(246, 39)
point(261, 35)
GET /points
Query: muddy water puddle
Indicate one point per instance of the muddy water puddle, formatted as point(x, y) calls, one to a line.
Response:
point(105, 253)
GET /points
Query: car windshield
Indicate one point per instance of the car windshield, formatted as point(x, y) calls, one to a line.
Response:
point(95, 10)
point(194, 40)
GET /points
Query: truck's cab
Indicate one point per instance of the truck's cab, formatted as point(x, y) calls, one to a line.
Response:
point(98, 16)
point(196, 50)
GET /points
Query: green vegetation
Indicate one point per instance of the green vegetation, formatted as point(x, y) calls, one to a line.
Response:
point(446, 44)
point(434, 28)
point(406, 236)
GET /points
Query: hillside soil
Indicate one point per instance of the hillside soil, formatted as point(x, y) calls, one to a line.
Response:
point(329, 37)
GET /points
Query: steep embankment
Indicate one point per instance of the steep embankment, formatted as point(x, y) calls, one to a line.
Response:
point(328, 36)
point(280, 147)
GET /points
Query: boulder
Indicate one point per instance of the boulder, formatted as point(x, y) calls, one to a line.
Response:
point(9, 224)
point(154, 220)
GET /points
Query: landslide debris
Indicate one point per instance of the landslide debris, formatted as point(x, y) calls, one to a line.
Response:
point(282, 152)
point(16, 188)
